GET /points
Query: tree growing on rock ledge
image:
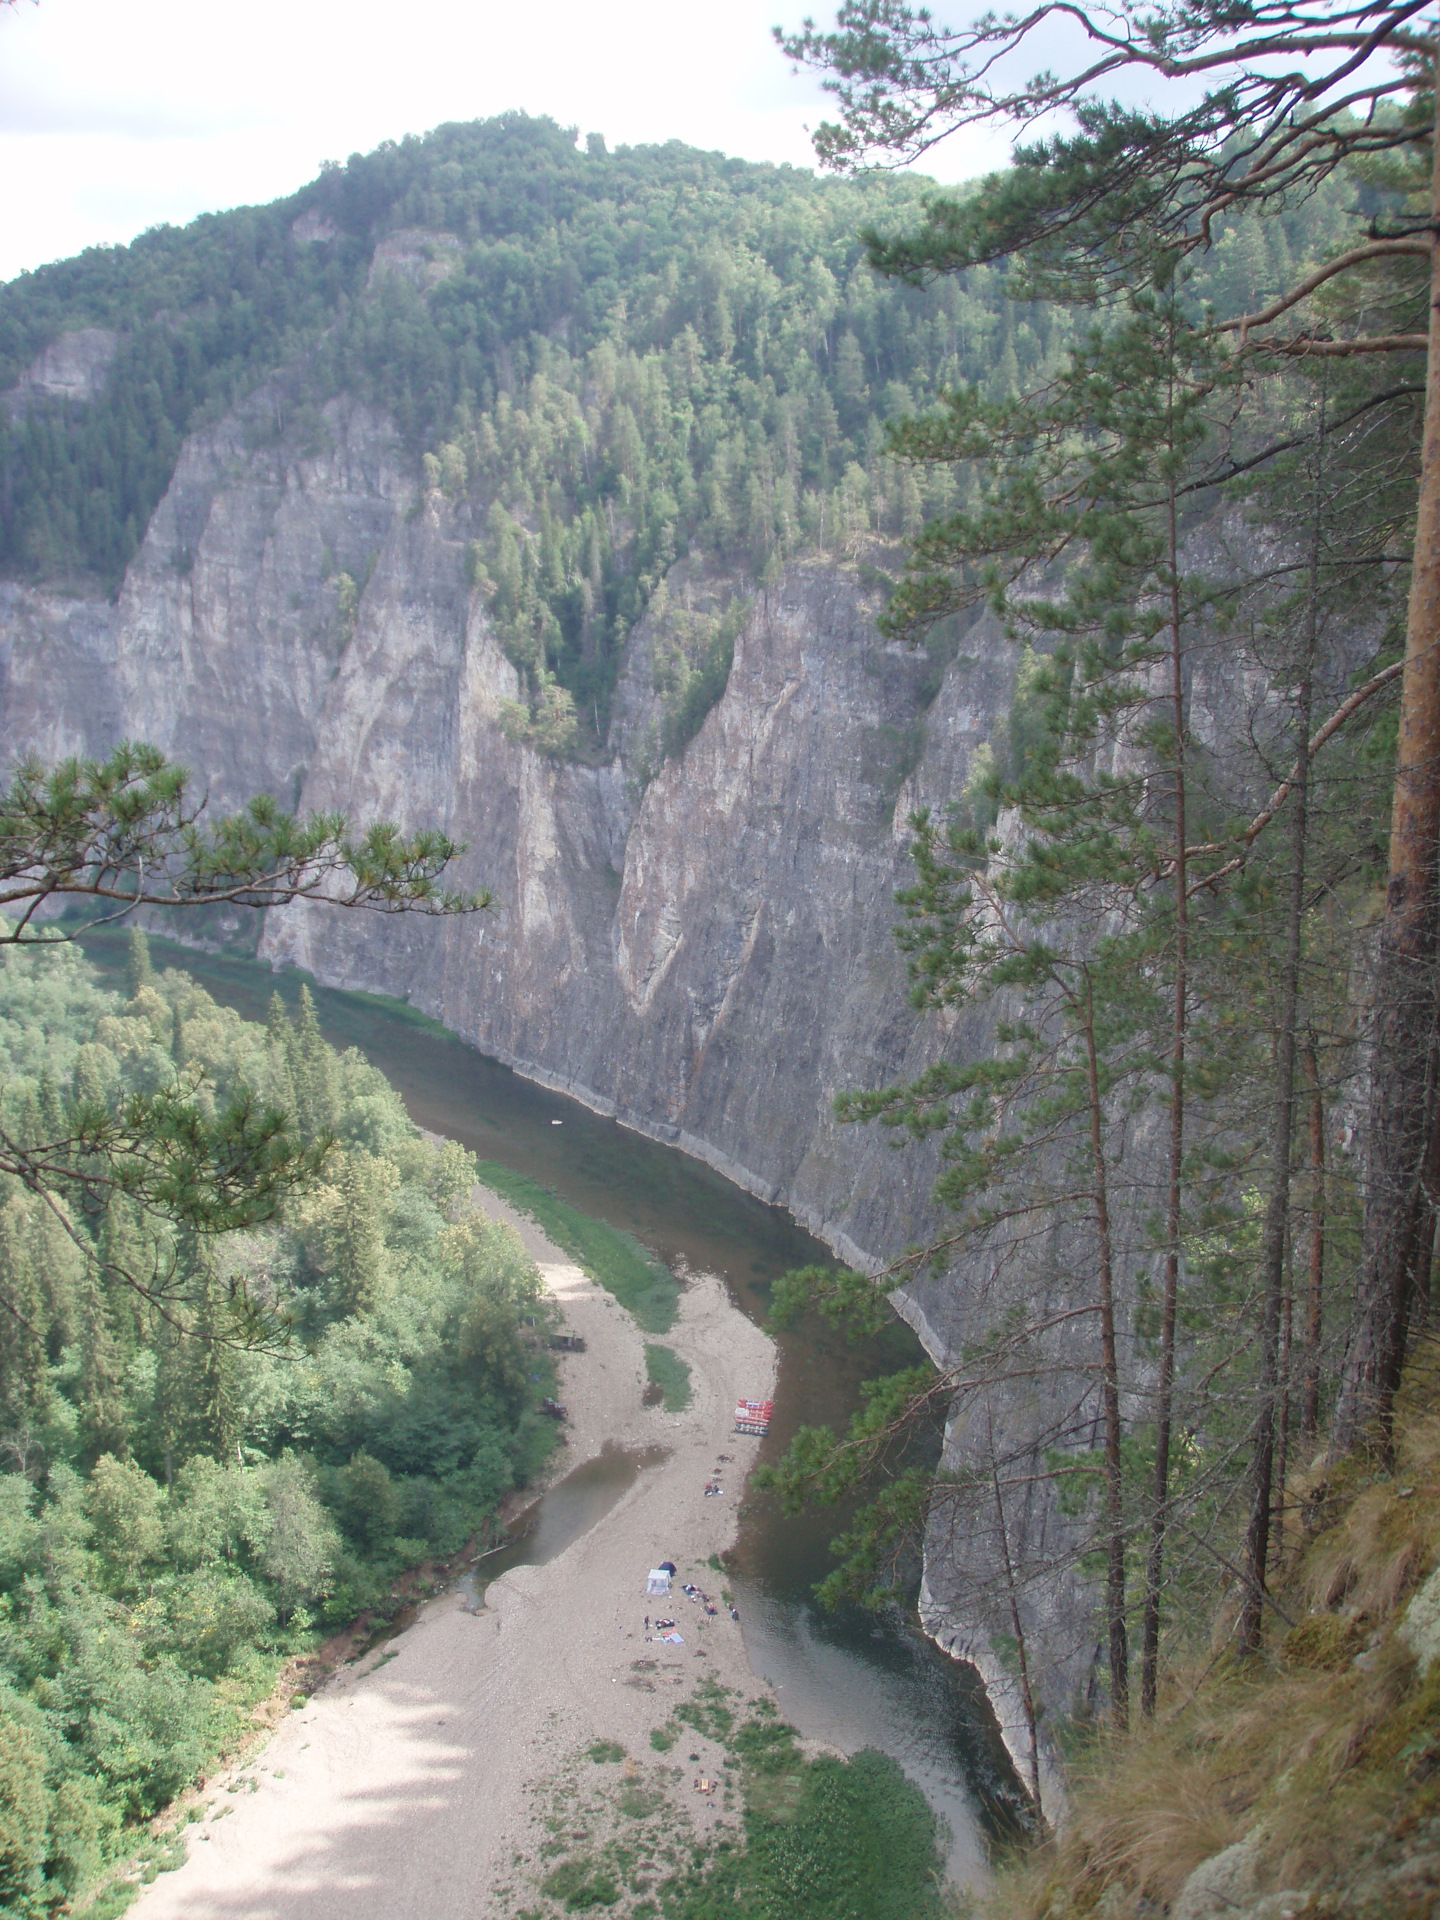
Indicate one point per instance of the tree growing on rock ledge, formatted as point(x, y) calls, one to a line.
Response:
point(1257, 105)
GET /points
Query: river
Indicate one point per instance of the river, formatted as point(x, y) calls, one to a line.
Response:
point(850, 1677)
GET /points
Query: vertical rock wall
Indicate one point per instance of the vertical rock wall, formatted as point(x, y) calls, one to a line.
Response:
point(708, 955)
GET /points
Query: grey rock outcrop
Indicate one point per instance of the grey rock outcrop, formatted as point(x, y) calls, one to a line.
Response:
point(1420, 1629)
point(706, 953)
point(74, 367)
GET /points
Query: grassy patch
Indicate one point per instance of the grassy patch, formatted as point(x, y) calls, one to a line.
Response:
point(707, 1712)
point(639, 1802)
point(662, 1739)
point(582, 1885)
point(613, 1260)
point(668, 1372)
point(825, 1839)
point(601, 1751)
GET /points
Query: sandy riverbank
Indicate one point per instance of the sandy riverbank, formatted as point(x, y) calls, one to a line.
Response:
point(412, 1786)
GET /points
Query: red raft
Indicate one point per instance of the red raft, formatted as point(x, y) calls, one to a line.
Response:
point(753, 1416)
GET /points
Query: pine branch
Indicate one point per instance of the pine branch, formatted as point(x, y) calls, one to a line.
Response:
point(124, 833)
point(1342, 714)
point(1372, 250)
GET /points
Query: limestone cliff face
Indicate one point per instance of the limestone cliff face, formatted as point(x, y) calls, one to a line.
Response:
point(706, 954)
point(709, 957)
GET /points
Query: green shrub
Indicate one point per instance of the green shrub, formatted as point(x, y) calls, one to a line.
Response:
point(581, 1885)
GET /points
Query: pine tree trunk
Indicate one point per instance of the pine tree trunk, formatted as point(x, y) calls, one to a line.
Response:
point(1282, 1443)
point(1404, 1025)
point(1027, 1697)
point(1109, 1387)
point(1272, 1259)
point(1180, 1005)
point(1315, 1298)
point(1422, 1258)
point(1282, 1127)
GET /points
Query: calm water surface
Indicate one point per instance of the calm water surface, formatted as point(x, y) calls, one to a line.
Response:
point(851, 1678)
point(571, 1507)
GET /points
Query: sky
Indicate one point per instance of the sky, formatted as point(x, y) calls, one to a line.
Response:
point(118, 115)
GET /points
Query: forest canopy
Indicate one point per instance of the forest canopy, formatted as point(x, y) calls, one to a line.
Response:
point(179, 1511)
point(605, 361)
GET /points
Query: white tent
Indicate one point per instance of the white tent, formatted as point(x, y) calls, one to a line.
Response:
point(659, 1581)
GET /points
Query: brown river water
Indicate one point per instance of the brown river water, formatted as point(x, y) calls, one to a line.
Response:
point(853, 1678)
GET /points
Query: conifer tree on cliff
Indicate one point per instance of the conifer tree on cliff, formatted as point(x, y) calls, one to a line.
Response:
point(103, 837)
point(1247, 104)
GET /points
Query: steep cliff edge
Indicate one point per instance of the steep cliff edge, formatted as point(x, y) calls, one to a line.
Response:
point(708, 956)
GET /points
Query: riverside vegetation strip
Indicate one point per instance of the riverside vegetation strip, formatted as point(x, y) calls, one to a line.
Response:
point(615, 1260)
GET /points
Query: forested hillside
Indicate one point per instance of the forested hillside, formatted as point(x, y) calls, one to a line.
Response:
point(180, 1506)
point(612, 361)
point(1157, 465)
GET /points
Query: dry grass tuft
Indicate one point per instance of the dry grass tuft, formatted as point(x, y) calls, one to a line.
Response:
point(1374, 1556)
point(1153, 1826)
point(1326, 1750)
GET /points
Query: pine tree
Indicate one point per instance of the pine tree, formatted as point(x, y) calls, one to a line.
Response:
point(313, 1072)
point(100, 1387)
point(1077, 214)
point(138, 970)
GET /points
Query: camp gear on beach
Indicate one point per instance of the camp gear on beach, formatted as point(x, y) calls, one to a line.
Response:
point(753, 1416)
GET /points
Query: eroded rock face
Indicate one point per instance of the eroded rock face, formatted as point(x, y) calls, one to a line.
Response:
point(707, 954)
point(229, 627)
point(73, 368)
point(709, 958)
